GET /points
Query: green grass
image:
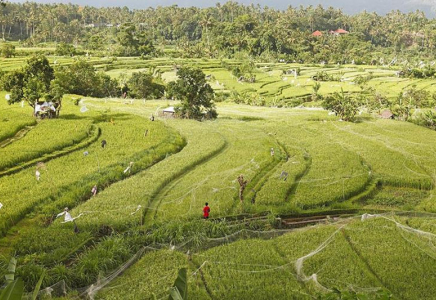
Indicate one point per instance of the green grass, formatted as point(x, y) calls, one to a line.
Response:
point(13, 119)
point(405, 198)
point(180, 164)
point(143, 188)
point(126, 142)
point(245, 270)
point(272, 87)
point(156, 273)
point(365, 257)
point(46, 137)
point(392, 253)
point(247, 152)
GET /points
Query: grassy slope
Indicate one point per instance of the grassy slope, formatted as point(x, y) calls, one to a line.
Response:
point(126, 142)
point(396, 153)
point(365, 257)
point(13, 118)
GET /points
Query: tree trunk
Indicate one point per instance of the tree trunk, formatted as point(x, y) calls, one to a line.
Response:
point(3, 31)
point(33, 106)
point(58, 108)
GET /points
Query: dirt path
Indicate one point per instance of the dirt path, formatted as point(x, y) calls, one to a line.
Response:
point(19, 135)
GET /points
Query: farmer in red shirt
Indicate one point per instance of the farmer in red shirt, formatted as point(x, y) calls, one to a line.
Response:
point(206, 211)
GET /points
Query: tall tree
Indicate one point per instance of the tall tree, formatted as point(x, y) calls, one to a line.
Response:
point(195, 94)
point(342, 105)
point(31, 83)
point(143, 86)
point(81, 78)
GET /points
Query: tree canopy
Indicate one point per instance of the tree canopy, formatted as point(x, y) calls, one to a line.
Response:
point(343, 105)
point(144, 86)
point(32, 83)
point(132, 42)
point(37, 82)
point(195, 94)
point(81, 78)
point(226, 30)
point(7, 50)
point(65, 49)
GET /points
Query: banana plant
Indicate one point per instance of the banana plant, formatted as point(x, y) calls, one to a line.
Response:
point(180, 289)
point(14, 289)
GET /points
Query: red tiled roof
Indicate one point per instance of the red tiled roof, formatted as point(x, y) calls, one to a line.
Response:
point(341, 31)
point(317, 33)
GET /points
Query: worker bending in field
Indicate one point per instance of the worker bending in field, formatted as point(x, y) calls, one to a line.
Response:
point(206, 211)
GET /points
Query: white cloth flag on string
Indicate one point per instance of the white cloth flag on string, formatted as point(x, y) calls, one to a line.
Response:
point(67, 217)
point(128, 168)
point(137, 209)
point(368, 216)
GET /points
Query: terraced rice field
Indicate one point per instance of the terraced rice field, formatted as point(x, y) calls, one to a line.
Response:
point(374, 258)
point(274, 85)
point(153, 179)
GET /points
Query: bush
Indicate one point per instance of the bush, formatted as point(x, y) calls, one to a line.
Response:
point(7, 50)
point(80, 78)
point(65, 49)
point(144, 86)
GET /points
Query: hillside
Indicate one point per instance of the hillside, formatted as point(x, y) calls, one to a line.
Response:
point(330, 207)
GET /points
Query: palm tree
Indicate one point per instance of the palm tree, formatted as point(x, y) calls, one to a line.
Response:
point(207, 22)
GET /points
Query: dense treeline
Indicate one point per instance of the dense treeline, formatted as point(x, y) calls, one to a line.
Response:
point(37, 82)
point(227, 29)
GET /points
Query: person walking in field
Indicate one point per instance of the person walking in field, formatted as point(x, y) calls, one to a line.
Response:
point(94, 190)
point(38, 175)
point(272, 151)
point(206, 211)
point(242, 185)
